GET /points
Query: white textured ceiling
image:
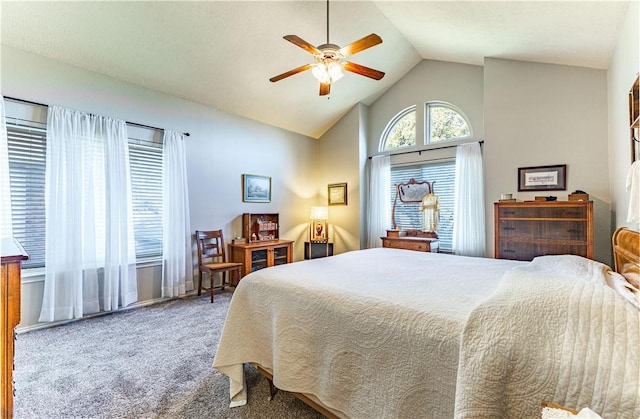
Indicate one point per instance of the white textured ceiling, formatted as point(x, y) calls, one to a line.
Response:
point(222, 53)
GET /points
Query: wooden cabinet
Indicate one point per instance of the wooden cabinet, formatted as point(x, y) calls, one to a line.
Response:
point(420, 244)
point(524, 230)
point(260, 227)
point(260, 255)
point(12, 255)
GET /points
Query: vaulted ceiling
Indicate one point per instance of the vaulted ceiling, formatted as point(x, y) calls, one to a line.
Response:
point(222, 53)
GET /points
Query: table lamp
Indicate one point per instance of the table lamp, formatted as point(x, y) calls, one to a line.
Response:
point(319, 229)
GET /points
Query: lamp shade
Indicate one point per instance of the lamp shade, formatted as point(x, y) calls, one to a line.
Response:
point(319, 213)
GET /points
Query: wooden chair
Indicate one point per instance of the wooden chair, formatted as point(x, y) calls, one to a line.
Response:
point(212, 258)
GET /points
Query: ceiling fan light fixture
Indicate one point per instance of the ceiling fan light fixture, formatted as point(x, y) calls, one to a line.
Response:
point(327, 72)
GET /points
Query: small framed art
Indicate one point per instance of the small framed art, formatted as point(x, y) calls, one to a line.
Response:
point(256, 188)
point(542, 178)
point(337, 193)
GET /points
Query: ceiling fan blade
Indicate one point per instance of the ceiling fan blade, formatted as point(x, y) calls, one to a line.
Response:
point(296, 40)
point(360, 45)
point(290, 73)
point(363, 71)
point(324, 89)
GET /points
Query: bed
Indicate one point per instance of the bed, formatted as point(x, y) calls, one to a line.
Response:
point(396, 333)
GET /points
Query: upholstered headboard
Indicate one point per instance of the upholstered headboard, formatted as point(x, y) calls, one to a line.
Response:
point(626, 254)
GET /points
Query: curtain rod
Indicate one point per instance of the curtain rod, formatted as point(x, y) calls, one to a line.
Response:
point(429, 149)
point(186, 134)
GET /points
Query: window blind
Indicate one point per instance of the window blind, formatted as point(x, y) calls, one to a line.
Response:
point(145, 160)
point(408, 215)
point(27, 156)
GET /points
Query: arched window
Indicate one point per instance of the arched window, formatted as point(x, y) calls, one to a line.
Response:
point(445, 122)
point(401, 130)
point(442, 122)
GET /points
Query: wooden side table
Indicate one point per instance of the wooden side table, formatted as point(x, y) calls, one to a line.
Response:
point(313, 250)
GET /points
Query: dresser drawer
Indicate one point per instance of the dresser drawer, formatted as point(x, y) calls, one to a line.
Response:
point(528, 250)
point(543, 212)
point(552, 230)
point(409, 245)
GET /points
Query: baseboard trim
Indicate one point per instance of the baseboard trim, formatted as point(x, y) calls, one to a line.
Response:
point(133, 306)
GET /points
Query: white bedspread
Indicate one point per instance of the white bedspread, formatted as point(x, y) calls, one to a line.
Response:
point(555, 330)
point(373, 333)
point(390, 333)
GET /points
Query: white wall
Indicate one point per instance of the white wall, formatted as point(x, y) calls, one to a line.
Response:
point(339, 156)
point(220, 149)
point(545, 114)
point(623, 70)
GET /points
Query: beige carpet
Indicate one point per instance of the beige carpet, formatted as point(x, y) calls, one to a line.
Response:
point(148, 362)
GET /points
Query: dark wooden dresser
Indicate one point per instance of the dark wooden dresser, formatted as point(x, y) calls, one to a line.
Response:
point(524, 230)
point(12, 255)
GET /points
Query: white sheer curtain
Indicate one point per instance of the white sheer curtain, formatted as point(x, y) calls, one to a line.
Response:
point(379, 200)
point(89, 246)
point(177, 269)
point(468, 224)
point(6, 229)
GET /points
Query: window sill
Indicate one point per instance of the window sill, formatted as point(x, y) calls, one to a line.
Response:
point(29, 275)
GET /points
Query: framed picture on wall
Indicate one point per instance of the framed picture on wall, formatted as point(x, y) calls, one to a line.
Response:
point(256, 188)
point(542, 178)
point(337, 194)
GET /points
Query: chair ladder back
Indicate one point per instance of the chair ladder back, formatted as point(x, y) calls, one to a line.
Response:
point(210, 246)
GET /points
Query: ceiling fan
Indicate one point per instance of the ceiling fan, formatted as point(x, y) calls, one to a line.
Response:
point(328, 66)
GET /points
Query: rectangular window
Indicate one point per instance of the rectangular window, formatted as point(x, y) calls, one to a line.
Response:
point(408, 215)
point(27, 164)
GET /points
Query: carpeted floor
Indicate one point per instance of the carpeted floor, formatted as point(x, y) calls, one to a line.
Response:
point(148, 362)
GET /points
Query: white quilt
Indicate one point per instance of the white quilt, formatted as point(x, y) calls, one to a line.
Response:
point(555, 330)
point(368, 333)
point(381, 332)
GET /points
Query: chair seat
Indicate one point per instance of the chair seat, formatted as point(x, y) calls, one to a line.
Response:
point(222, 265)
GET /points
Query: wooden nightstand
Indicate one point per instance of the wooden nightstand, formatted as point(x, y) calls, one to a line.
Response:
point(313, 250)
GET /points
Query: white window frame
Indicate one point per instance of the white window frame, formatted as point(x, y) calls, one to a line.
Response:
point(427, 122)
point(391, 125)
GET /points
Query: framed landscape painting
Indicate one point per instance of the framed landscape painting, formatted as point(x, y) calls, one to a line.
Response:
point(256, 188)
